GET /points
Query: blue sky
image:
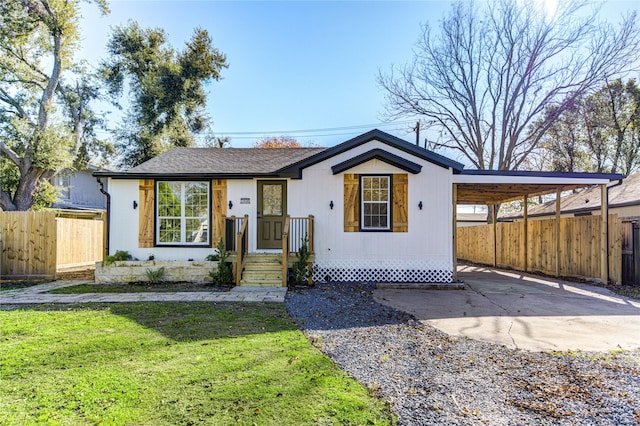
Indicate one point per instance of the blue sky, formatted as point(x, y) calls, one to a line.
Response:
point(292, 65)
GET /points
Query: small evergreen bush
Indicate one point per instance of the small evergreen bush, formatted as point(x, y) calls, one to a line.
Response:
point(223, 274)
point(119, 255)
point(300, 267)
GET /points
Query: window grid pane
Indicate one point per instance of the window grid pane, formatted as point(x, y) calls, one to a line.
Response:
point(375, 202)
point(183, 212)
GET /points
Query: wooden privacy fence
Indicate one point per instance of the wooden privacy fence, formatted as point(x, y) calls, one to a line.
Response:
point(580, 246)
point(37, 244)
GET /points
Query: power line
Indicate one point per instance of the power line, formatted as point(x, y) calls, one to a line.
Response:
point(301, 133)
point(296, 136)
point(326, 129)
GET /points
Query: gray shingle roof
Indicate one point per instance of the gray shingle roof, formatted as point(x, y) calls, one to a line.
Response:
point(263, 162)
point(224, 161)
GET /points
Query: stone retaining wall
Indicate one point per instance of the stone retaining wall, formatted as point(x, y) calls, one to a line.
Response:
point(136, 271)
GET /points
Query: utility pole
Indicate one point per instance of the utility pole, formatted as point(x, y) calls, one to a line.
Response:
point(417, 130)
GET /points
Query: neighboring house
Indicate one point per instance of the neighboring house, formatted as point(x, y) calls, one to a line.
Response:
point(383, 208)
point(79, 190)
point(624, 200)
point(471, 219)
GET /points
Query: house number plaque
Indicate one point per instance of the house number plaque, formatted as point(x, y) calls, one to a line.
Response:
point(245, 200)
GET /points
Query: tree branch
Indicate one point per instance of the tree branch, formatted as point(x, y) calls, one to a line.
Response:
point(10, 154)
point(6, 98)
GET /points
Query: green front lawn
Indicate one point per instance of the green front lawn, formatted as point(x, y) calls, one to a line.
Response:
point(171, 364)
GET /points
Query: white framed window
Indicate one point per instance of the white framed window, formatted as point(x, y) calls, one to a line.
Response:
point(63, 183)
point(182, 213)
point(375, 199)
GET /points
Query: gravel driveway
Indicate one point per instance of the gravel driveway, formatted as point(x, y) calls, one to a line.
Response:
point(429, 377)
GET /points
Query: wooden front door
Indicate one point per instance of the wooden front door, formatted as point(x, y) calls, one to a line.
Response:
point(272, 211)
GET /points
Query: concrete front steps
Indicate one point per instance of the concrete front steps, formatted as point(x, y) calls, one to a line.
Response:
point(262, 270)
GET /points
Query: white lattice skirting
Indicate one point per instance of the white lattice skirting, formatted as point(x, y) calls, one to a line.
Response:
point(391, 271)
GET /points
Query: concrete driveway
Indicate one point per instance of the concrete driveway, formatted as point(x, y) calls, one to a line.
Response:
point(525, 311)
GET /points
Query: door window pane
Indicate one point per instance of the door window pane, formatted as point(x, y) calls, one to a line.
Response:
point(272, 200)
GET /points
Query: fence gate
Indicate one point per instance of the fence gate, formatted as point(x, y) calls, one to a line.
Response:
point(631, 253)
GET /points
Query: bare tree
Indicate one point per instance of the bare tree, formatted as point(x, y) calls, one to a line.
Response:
point(489, 71)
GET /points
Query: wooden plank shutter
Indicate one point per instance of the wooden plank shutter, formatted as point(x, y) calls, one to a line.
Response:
point(146, 213)
point(219, 206)
point(351, 203)
point(400, 213)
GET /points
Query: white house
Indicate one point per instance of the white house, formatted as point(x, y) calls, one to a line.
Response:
point(375, 208)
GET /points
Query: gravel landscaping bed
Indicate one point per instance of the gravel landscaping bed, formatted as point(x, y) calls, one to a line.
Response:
point(429, 377)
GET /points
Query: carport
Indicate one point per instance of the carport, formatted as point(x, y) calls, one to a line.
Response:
point(494, 187)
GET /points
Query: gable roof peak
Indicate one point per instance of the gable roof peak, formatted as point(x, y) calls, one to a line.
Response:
point(295, 170)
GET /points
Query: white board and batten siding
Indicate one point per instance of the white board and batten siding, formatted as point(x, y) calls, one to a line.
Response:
point(423, 253)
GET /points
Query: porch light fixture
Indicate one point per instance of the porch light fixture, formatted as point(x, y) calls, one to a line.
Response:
point(230, 205)
point(135, 204)
point(420, 205)
point(331, 204)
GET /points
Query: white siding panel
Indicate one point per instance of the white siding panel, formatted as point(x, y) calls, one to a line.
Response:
point(123, 233)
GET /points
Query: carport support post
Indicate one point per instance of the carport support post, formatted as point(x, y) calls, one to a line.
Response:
point(604, 224)
point(525, 220)
point(455, 231)
point(558, 194)
point(495, 236)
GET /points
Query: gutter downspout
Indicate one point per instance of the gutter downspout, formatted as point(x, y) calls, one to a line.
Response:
point(607, 213)
point(108, 219)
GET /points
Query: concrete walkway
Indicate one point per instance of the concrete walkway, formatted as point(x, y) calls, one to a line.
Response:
point(38, 294)
point(525, 311)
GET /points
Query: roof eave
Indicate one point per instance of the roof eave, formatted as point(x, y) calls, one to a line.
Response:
point(378, 154)
point(182, 176)
point(543, 174)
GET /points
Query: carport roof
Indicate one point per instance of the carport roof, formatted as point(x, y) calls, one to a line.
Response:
point(501, 186)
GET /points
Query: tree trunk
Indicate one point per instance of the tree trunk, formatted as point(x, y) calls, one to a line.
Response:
point(490, 212)
point(23, 198)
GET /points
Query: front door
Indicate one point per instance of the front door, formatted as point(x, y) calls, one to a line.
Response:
point(272, 211)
